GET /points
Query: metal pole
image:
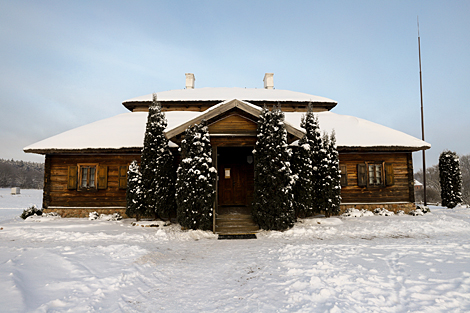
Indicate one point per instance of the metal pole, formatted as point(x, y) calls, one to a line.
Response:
point(422, 118)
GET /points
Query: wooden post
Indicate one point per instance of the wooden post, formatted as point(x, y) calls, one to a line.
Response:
point(46, 195)
point(422, 119)
point(214, 164)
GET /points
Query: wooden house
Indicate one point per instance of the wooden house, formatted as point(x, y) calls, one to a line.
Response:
point(85, 168)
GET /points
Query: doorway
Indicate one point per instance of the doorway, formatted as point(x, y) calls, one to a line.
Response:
point(236, 176)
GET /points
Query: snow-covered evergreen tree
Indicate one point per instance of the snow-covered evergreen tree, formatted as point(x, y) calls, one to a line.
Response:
point(450, 179)
point(196, 178)
point(134, 195)
point(158, 170)
point(323, 177)
point(273, 198)
point(305, 161)
point(332, 191)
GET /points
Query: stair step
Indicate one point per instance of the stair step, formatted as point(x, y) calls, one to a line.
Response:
point(234, 216)
point(235, 224)
point(236, 236)
point(236, 229)
point(237, 232)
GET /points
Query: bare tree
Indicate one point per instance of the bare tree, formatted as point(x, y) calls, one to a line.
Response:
point(433, 188)
point(21, 174)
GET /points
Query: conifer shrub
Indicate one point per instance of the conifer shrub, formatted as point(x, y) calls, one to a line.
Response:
point(332, 179)
point(158, 169)
point(450, 179)
point(196, 178)
point(32, 210)
point(135, 206)
point(304, 164)
point(315, 164)
point(322, 180)
point(273, 198)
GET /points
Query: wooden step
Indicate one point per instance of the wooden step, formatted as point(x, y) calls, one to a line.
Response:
point(237, 230)
point(234, 216)
point(234, 221)
point(235, 224)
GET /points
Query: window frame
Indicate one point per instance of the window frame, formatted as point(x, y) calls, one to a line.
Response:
point(387, 174)
point(87, 166)
point(378, 168)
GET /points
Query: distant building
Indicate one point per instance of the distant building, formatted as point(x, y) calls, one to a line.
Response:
point(418, 185)
point(15, 190)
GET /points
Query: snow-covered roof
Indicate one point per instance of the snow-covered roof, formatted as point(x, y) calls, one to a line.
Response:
point(121, 131)
point(226, 93)
point(127, 130)
point(354, 132)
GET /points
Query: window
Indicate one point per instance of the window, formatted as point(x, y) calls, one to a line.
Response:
point(87, 176)
point(375, 174)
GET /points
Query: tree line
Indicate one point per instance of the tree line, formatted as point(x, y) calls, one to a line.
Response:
point(23, 174)
point(451, 177)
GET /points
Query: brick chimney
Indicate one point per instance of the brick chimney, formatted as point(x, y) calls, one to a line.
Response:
point(190, 79)
point(268, 81)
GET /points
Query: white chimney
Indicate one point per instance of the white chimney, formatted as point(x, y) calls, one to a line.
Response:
point(268, 81)
point(190, 79)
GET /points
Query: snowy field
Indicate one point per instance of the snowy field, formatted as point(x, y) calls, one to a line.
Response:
point(13, 205)
point(362, 264)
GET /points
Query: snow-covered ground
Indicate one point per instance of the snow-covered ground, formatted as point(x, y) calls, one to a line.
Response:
point(363, 264)
point(13, 205)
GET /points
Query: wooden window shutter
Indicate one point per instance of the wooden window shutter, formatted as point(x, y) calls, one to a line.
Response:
point(344, 175)
point(123, 177)
point(389, 177)
point(362, 175)
point(72, 176)
point(102, 177)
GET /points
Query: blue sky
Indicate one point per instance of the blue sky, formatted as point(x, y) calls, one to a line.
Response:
point(68, 63)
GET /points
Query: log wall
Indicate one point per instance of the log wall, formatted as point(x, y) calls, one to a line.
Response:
point(400, 191)
point(77, 203)
point(57, 195)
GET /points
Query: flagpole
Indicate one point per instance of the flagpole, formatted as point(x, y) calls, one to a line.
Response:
point(422, 118)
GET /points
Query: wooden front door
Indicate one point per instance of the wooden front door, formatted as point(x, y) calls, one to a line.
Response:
point(232, 189)
point(235, 176)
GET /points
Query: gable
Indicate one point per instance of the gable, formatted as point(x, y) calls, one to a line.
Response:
point(246, 111)
point(233, 124)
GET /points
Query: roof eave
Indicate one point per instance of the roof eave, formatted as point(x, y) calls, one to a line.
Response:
point(131, 105)
point(125, 150)
point(381, 148)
